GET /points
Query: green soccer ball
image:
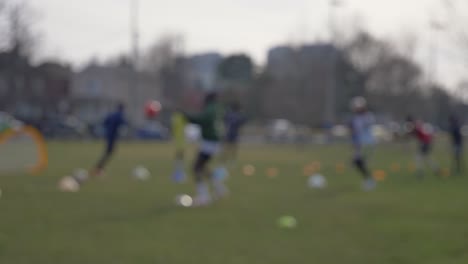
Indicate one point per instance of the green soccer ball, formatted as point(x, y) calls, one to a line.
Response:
point(287, 221)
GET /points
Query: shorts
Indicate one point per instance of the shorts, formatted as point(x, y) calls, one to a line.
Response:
point(210, 147)
point(457, 148)
point(206, 152)
point(201, 161)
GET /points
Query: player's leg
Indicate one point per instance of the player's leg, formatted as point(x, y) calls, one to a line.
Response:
point(178, 137)
point(110, 146)
point(200, 170)
point(228, 154)
point(458, 159)
point(234, 150)
point(219, 175)
point(179, 167)
point(361, 165)
point(429, 160)
point(421, 160)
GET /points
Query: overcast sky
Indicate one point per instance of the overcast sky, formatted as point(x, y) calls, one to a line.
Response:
point(78, 30)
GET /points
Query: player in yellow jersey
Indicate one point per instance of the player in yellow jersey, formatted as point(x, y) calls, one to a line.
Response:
point(178, 137)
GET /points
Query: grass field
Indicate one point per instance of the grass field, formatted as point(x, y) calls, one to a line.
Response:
point(120, 220)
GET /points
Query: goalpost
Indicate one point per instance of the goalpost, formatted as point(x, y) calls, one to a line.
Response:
point(22, 149)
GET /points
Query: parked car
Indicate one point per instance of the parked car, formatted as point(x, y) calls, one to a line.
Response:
point(154, 131)
point(281, 130)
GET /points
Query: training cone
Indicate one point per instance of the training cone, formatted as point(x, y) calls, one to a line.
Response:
point(379, 175)
point(396, 167)
point(248, 170)
point(272, 172)
point(340, 168)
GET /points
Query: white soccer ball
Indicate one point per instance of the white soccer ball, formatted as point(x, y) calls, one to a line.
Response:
point(141, 173)
point(317, 181)
point(184, 200)
point(68, 184)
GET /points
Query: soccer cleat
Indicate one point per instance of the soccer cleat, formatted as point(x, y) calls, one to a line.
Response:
point(369, 185)
point(202, 201)
point(221, 191)
point(203, 197)
point(98, 173)
point(178, 176)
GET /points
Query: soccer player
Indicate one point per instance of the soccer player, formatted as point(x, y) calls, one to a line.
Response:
point(361, 136)
point(233, 122)
point(209, 146)
point(457, 143)
point(178, 136)
point(425, 140)
point(112, 124)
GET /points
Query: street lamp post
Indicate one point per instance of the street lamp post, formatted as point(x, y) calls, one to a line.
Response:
point(435, 28)
point(134, 51)
point(330, 94)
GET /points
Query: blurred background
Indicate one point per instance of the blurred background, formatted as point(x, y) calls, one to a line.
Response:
point(294, 65)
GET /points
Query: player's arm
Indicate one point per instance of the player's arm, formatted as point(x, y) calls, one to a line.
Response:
point(200, 118)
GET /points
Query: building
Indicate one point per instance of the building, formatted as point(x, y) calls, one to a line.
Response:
point(97, 89)
point(303, 82)
point(33, 93)
point(203, 70)
point(286, 61)
point(282, 61)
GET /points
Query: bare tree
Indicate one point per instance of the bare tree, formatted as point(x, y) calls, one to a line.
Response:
point(456, 13)
point(162, 53)
point(17, 26)
point(165, 61)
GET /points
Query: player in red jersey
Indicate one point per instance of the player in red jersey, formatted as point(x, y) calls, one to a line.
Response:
point(425, 138)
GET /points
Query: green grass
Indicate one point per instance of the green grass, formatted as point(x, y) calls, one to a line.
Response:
point(120, 220)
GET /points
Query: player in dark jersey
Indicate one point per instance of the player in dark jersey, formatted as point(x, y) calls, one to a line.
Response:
point(112, 124)
point(424, 137)
point(457, 143)
point(234, 119)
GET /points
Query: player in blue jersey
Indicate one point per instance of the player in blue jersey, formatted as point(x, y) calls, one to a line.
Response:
point(362, 138)
point(112, 125)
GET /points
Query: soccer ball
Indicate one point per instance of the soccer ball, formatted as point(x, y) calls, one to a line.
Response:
point(68, 184)
point(184, 200)
point(152, 109)
point(317, 181)
point(141, 173)
point(287, 221)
